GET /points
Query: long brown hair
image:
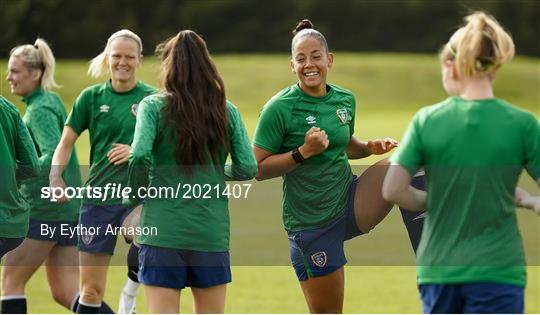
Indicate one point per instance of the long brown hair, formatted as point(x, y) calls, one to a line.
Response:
point(196, 104)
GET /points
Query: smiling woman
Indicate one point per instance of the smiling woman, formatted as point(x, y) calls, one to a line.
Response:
point(305, 134)
point(107, 111)
point(31, 70)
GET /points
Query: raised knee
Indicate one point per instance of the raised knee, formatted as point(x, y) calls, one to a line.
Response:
point(92, 293)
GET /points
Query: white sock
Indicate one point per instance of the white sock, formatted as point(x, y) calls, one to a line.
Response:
point(81, 302)
point(131, 287)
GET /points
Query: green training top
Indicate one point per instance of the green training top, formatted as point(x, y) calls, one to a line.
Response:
point(18, 162)
point(45, 116)
point(473, 152)
point(198, 218)
point(315, 192)
point(109, 117)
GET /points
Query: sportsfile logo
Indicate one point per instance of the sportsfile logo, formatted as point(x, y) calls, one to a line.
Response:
point(119, 191)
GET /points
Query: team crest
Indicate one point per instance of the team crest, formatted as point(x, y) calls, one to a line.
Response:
point(343, 115)
point(319, 259)
point(87, 238)
point(134, 109)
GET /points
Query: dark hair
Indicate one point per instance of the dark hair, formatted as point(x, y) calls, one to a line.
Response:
point(304, 28)
point(196, 104)
point(302, 25)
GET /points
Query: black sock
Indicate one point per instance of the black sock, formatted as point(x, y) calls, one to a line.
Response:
point(14, 305)
point(85, 309)
point(133, 262)
point(414, 220)
point(104, 309)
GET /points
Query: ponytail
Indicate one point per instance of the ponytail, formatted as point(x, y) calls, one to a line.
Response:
point(38, 56)
point(482, 46)
point(47, 59)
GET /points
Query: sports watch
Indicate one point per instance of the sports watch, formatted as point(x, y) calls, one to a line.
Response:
point(297, 156)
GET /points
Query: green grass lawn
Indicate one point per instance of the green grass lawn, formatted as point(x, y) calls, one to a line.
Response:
point(380, 277)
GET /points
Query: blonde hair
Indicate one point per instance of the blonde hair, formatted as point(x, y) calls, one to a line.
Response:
point(99, 64)
point(481, 46)
point(38, 56)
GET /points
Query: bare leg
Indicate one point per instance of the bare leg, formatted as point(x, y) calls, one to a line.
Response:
point(93, 274)
point(370, 208)
point(162, 300)
point(209, 300)
point(62, 268)
point(324, 295)
point(21, 263)
point(132, 220)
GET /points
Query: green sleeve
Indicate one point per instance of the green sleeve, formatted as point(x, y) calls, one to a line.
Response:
point(46, 134)
point(140, 159)
point(532, 148)
point(243, 165)
point(26, 156)
point(271, 127)
point(79, 118)
point(409, 154)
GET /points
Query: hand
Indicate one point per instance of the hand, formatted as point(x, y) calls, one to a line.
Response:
point(58, 189)
point(381, 146)
point(315, 142)
point(520, 195)
point(119, 153)
point(525, 200)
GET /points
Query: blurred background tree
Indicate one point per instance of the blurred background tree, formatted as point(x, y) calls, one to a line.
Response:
point(80, 28)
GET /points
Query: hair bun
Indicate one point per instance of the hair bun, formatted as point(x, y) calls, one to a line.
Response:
point(305, 23)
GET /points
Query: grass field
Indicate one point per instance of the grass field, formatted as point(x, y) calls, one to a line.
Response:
point(380, 277)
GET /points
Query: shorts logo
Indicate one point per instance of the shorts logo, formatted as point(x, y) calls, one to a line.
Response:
point(134, 109)
point(87, 238)
point(319, 259)
point(343, 115)
point(104, 108)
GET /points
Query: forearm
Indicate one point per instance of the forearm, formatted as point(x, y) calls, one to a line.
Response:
point(60, 159)
point(276, 165)
point(411, 199)
point(397, 189)
point(357, 149)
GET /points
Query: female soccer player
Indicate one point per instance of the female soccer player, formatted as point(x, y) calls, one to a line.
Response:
point(31, 76)
point(305, 134)
point(473, 146)
point(185, 134)
point(18, 162)
point(108, 112)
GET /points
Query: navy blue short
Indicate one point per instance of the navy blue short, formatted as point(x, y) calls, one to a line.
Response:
point(177, 269)
point(59, 232)
point(472, 298)
point(8, 244)
point(319, 252)
point(97, 227)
